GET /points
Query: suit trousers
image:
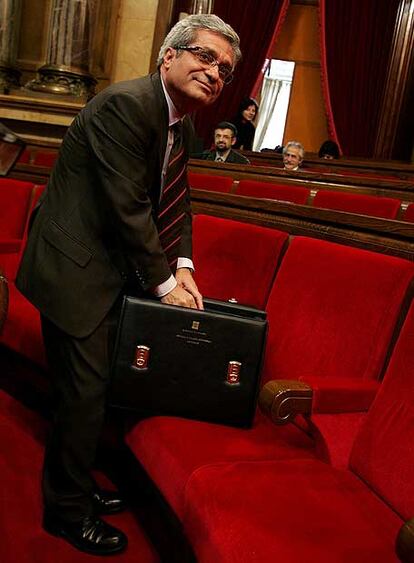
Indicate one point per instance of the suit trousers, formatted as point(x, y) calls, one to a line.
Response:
point(80, 371)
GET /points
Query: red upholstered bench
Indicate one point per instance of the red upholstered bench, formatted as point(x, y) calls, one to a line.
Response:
point(305, 510)
point(385, 207)
point(236, 260)
point(210, 182)
point(332, 313)
point(281, 192)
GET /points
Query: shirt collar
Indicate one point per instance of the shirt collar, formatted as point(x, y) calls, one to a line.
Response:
point(173, 114)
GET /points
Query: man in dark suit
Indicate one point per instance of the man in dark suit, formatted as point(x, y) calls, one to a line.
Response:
point(225, 135)
point(104, 227)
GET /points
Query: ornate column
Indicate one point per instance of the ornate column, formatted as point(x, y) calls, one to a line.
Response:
point(10, 11)
point(66, 71)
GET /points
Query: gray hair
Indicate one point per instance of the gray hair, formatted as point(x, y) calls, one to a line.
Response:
point(295, 145)
point(184, 32)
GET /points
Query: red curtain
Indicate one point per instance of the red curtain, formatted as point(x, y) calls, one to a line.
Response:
point(255, 22)
point(356, 43)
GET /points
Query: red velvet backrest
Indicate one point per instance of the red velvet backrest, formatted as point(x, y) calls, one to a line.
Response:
point(332, 310)
point(383, 452)
point(15, 196)
point(235, 260)
point(385, 207)
point(294, 194)
point(210, 182)
point(38, 158)
point(46, 159)
point(409, 214)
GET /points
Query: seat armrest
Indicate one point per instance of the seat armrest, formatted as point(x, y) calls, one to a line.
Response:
point(282, 399)
point(4, 300)
point(405, 542)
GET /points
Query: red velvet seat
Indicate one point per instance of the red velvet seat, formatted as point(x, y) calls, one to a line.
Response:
point(280, 192)
point(15, 196)
point(332, 312)
point(409, 214)
point(210, 182)
point(304, 510)
point(235, 260)
point(338, 306)
point(375, 206)
point(22, 331)
point(15, 201)
point(22, 438)
point(11, 249)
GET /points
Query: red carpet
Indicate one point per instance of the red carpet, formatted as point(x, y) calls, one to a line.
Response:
point(22, 539)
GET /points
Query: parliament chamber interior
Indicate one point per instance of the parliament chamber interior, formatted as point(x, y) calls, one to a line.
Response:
point(323, 471)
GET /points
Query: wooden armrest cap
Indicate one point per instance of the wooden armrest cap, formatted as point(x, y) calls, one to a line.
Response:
point(282, 399)
point(405, 542)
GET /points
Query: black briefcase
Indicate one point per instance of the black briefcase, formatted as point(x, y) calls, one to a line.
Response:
point(184, 362)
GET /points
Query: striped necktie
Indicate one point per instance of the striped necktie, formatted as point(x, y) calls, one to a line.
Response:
point(171, 210)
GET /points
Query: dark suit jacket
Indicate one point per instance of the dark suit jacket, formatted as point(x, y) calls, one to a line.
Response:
point(95, 227)
point(234, 157)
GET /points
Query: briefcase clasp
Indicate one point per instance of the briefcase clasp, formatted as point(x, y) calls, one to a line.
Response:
point(233, 372)
point(141, 357)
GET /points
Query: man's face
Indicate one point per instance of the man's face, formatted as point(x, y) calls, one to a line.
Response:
point(223, 139)
point(292, 158)
point(191, 83)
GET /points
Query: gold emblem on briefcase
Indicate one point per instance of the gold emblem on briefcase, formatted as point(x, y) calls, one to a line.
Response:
point(233, 372)
point(141, 357)
point(195, 325)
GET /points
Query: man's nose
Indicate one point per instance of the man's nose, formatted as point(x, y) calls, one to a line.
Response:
point(212, 72)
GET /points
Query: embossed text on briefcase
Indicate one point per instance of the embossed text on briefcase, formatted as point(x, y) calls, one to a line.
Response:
point(178, 361)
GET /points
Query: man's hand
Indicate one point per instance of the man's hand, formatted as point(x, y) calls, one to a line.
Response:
point(186, 293)
point(179, 296)
point(185, 280)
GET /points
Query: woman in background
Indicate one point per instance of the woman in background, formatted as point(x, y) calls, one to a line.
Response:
point(244, 124)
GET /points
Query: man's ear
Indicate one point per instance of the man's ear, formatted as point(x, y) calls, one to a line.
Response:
point(234, 139)
point(169, 56)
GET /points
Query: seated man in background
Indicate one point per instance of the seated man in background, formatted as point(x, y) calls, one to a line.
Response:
point(293, 154)
point(225, 135)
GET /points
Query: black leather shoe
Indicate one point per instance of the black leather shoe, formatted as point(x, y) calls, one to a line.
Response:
point(107, 502)
point(91, 535)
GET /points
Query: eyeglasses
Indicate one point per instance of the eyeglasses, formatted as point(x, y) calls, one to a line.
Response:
point(225, 72)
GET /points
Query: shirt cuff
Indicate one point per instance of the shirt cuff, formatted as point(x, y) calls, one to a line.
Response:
point(185, 263)
point(171, 283)
point(165, 287)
